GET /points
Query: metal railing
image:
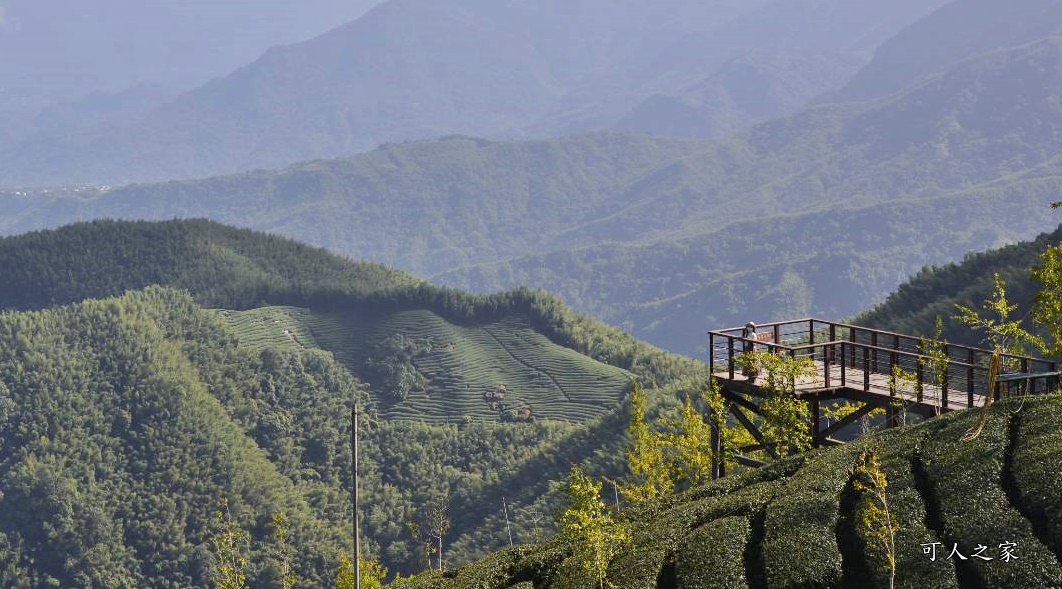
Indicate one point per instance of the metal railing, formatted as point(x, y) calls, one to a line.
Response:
point(851, 357)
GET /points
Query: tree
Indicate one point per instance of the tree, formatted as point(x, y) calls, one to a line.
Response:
point(874, 523)
point(691, 447)
point(589, 528)
point(230, 552)
point(1047, 308)
point(1006, 336)
point(902, 382)
point(345, 574)
point(437, 523)
point(430, 529)
point(372, 574)
point(936, 354)
point(282, 551)
point(646, 459)
point(785, 417)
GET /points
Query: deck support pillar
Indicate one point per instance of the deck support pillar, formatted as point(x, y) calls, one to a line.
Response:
point(816, 417)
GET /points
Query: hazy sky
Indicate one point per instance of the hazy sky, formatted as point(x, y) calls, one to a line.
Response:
point(63, 47)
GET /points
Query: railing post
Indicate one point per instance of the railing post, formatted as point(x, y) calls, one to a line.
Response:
point(777, 335)
point(866, 370)
point(843, 363)
point(815, 417)
point(730, 355)
point(874, 353)
point(944, 380)
point(851, 346)
point(918, 370)
point(1027, 381)
point(833, 333)
point(711, 353)
point(894, 359)
point(811, 332)
point(970, 379)
point(826, 363)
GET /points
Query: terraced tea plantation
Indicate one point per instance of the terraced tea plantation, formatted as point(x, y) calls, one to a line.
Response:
point(792, 523)
point(448, 372)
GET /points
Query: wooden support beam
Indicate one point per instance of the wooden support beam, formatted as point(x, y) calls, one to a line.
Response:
point(742, 402)
point(816, 416)
point(746, 461)
point(752, 429)
point(717, 453)
point(892, 415)
point(755, 447)
point(848, 420)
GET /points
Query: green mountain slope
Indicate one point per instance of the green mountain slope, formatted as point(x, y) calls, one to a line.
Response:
point(124, 424)
point(935, 291)
point(291, 334)
point(793, 524)
point(223, 266)
point(429, 368)
point(427, 353)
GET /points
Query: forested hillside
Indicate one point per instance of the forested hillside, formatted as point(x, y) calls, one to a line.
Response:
point(124, 425)
point(935, 290)
point(823, 212)
point(469, 399)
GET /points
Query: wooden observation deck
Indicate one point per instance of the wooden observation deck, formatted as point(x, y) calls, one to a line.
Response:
point(856, 363)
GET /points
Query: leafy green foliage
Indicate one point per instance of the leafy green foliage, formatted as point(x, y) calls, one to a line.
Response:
point(230, 554)
point(1047, 307)
point(113, 445)
point(712, 556)
point(646, 458)
point(373, 574)
point(972, 501)
point(1003, 333)
point(785, 417)
point(1036, 467)
point(589, 528)
point(936, 352)
point(874, 522)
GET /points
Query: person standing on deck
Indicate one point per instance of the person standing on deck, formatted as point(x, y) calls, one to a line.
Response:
point(750, 334)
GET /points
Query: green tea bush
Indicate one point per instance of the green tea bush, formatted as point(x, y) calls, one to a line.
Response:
point(800, 542)
point(974, 507)
point(712, 556)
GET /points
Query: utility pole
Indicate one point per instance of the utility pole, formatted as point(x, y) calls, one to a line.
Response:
point(354, 497)
point(505, 509)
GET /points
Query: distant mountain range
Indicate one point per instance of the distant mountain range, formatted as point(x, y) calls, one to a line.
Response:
point(823, 211)
point(60, 50)
point(414, 69)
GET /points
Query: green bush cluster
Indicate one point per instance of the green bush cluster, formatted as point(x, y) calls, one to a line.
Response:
point(800, 529)
point(712, 557)
point(914, 570)
point(974, 504)
point(1036, 466)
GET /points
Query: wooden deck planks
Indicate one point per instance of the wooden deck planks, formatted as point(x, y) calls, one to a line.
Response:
point(879, 386)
